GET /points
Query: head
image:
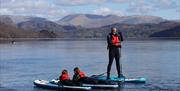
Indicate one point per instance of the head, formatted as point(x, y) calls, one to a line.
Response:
point(76, 70)
point(64, 71)
point(114, 30)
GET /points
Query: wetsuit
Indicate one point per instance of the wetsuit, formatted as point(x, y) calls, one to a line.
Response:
point(81, 78)
point(114, 47)
point(65, 80)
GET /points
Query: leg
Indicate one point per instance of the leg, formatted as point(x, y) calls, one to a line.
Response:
point(91, 81)
point(111, 57)
point(120, 60)
point(117, 58)
point(68, 83)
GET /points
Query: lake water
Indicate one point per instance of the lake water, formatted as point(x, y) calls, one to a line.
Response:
point(23, 62)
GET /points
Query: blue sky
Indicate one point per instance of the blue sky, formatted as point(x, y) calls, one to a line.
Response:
point(56, 9)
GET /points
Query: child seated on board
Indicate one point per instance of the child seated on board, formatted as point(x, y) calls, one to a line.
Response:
point(80, 77)
point(65, 79)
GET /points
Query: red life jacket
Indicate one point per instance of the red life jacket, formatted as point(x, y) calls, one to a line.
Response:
point(81, 74)
point(115, 40)
point(64, 77)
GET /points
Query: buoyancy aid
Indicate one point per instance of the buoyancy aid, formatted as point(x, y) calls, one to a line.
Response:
point(115, 40)
point(81, 74)
point(64, 77)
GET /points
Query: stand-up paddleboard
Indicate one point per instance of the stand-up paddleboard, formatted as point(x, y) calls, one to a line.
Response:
point(116, 79)
point(48, 85)
point(103, 86)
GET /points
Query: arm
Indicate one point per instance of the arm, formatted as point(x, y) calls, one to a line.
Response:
point(76, 77)
point(108, 41)
point(121, 36)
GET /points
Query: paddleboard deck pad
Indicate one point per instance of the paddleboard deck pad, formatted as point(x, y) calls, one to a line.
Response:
point(116, 79)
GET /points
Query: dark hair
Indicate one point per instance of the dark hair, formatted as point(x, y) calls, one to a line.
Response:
point(76, 68)
point(64, 71)
point(113, 28)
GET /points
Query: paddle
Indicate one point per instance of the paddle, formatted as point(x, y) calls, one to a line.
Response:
point(99, 74)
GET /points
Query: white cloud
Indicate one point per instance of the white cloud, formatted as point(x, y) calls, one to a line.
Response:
point(27, 4)
point(164, 4)
point(54, 9)
point(122, 1)
point(5, 11)
point(78, 2)
point(107, 11)
point(144, 6)
point(178, 10)
point(140, 7)
point(40, 8)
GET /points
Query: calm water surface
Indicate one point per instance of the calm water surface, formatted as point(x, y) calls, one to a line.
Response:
point(23, 62)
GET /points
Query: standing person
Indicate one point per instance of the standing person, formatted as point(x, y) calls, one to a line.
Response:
point(114, 40)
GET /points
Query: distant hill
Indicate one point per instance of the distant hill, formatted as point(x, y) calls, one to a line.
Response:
point(88, 20)
point(129, 30)
point(29, 23)
point(173, 32)
point(6, 20)
point(131, 26)
point(141, 19)
point(9, 31)
point(31, 27)
point(38, 25)
point(94, 21)
point(19, 19)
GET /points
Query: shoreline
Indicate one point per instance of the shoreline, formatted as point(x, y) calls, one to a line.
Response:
point(12, 40)
point(129, 38)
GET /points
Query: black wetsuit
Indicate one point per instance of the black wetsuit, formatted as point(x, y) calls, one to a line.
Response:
point(68, 83)
point(88, 80)
point(77, 79)
point(114, 52)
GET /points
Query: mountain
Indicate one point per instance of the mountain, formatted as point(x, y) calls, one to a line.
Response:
point(9, 31)
point(131, 26)
point(40, 24)
point(141, 19)
point(94, 21)
point(32, 27)
point(19, 19)
point(173, 32)
point(129, 30)
point(88, 20)
point(35, 23)
point(6, 20)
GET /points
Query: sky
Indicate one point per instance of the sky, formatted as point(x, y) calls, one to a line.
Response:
point(57, 9)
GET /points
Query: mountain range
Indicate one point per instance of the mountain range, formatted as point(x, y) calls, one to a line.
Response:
point(95, 21)
point(87, 25)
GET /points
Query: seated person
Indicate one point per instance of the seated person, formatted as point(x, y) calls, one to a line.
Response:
point(65, 79)
point(80, 77)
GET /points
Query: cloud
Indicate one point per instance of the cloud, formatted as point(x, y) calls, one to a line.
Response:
point(139, 7)
point(5, 11)
point(164, 4)
point(107, 11)
point(121, 1)
point(78, 2)
point(144, 6)
point(27, 4)
point(178, 10)
point(87, 2)
point(55, 9)
point(40, 8)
